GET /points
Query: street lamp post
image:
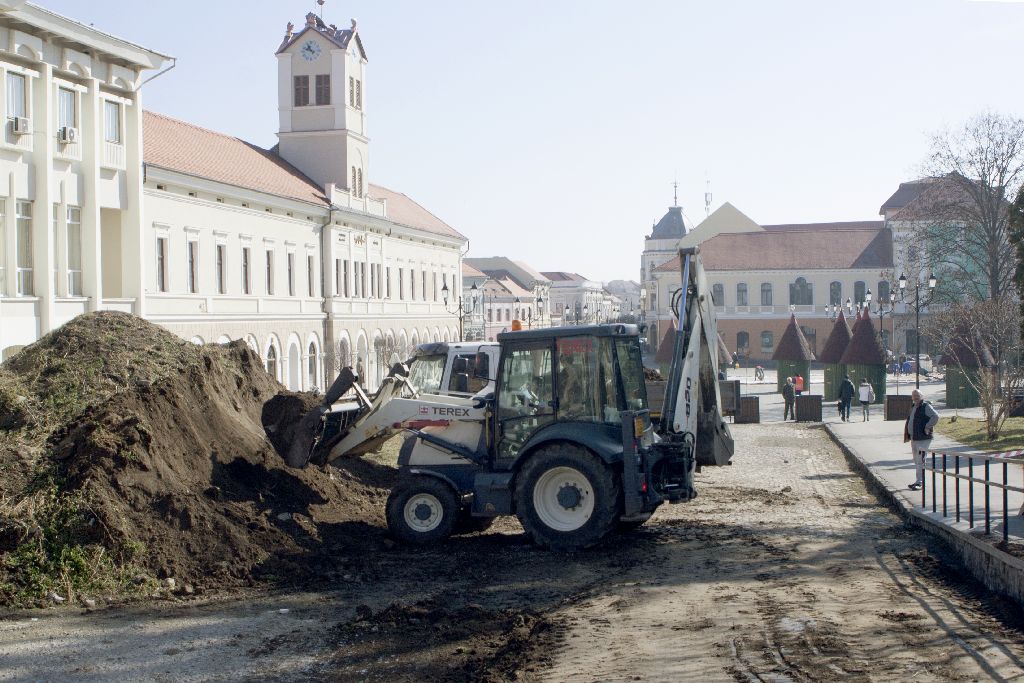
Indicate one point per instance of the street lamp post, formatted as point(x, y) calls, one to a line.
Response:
point(885, 306)
point(932, 281)
point(461, 310)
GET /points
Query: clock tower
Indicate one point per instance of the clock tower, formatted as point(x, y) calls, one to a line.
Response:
point(321, 100)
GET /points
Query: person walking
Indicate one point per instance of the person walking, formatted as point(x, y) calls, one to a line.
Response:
point(918, 431)
point(867, 397)
point(846, 392)
point(789, 396)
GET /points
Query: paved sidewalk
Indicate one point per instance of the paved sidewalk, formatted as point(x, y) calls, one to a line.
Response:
point(879, 446)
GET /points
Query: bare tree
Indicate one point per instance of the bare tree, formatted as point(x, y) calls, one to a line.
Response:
point(964, 214)
point(1016, 221)
point(983, 340)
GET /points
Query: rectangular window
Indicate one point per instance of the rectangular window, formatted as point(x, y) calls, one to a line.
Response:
point(23, 250)
point(362, 276)
point(423, 279)
point(246, 270)
point(193, 266)
point(310, 272)
point(401, 284)
point(74, 243)
point(323, 89)
point(387, 281)
point(222, 266)
point(356, 280)
point(270, 272)
point(435, 286)
point(359, 94)
point(412, 284)
point(65, 108)
point(346, 278)
point(351, 91)
point(161, 264)
point(3, 254)
point(16, 102)
point(337, 277)
point(55, 235)
point(290, 261)
point(301, 91)
point(112, 122)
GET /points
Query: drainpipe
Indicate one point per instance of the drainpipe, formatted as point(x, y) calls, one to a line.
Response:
point(324, 244)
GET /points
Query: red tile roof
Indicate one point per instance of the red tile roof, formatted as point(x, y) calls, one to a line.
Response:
point(404, 211)
point(186, 148)
point(794, 250)
point(470, 271)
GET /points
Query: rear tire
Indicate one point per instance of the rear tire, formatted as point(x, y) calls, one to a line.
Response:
point(422, 510)
point(566, 498)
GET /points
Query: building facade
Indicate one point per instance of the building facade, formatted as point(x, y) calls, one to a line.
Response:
point(291, 249)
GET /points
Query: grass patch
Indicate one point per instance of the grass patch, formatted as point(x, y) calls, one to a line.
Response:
point(59, 551)
point(972, 433)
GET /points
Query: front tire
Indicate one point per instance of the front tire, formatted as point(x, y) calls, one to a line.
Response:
point(566, 498)
point(422, 510)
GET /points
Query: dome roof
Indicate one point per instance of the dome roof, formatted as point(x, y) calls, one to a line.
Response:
point(673, 225)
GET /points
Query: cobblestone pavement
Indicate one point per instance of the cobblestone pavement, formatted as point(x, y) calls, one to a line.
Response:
point(787, 569)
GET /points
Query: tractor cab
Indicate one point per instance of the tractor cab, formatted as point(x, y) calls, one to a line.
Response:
point(562, 383)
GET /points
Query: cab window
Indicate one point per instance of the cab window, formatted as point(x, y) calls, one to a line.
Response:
point(427, 372)
point(464, 378)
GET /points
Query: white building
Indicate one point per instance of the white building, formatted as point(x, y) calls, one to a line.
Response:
point(292, 249)
point(577, 300)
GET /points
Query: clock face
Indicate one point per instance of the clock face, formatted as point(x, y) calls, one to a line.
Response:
point(310, 50)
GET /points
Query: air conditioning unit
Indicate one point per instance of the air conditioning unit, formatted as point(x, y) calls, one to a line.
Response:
point(20, 125)
point(67, 135)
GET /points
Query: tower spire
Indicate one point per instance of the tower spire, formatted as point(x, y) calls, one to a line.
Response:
point(675, 192)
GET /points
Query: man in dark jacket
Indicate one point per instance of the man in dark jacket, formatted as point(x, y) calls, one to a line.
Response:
point(846, 392)
point(788, 395)
point(918, 431)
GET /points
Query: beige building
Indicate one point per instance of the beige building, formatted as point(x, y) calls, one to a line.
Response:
point(761, 274)
point(292, 249)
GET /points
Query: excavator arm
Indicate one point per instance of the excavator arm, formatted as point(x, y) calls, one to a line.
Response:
point(692, 408)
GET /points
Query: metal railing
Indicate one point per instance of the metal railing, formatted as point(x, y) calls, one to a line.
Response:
point(940, 466)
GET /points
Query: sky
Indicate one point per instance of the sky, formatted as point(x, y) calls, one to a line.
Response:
point(552, 132)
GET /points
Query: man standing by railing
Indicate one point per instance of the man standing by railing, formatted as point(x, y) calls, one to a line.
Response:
point(918, 431)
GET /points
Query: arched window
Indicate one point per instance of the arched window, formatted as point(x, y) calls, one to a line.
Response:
point(859, 290)
point(718, 294)
point(835, 293)
point(312, 365)
point(741, 294)
point(354, 186)
point(801, 293)
point(766, 294)
point(742, 343)
point(272, 362)
point(767, 342)
point(883, 290)
point(359, 175)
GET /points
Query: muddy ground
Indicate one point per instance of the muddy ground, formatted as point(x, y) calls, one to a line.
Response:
point(785, 569)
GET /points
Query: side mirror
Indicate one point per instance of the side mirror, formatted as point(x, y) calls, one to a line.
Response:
point(482, 366)
point(642, 328)
point(460, 364)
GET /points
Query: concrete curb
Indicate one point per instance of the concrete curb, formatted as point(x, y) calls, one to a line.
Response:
point(998, 571)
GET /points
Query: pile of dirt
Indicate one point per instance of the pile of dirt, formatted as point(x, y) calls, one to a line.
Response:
point(149, 451)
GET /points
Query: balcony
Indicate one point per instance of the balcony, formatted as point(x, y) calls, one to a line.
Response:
point(113, 156)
